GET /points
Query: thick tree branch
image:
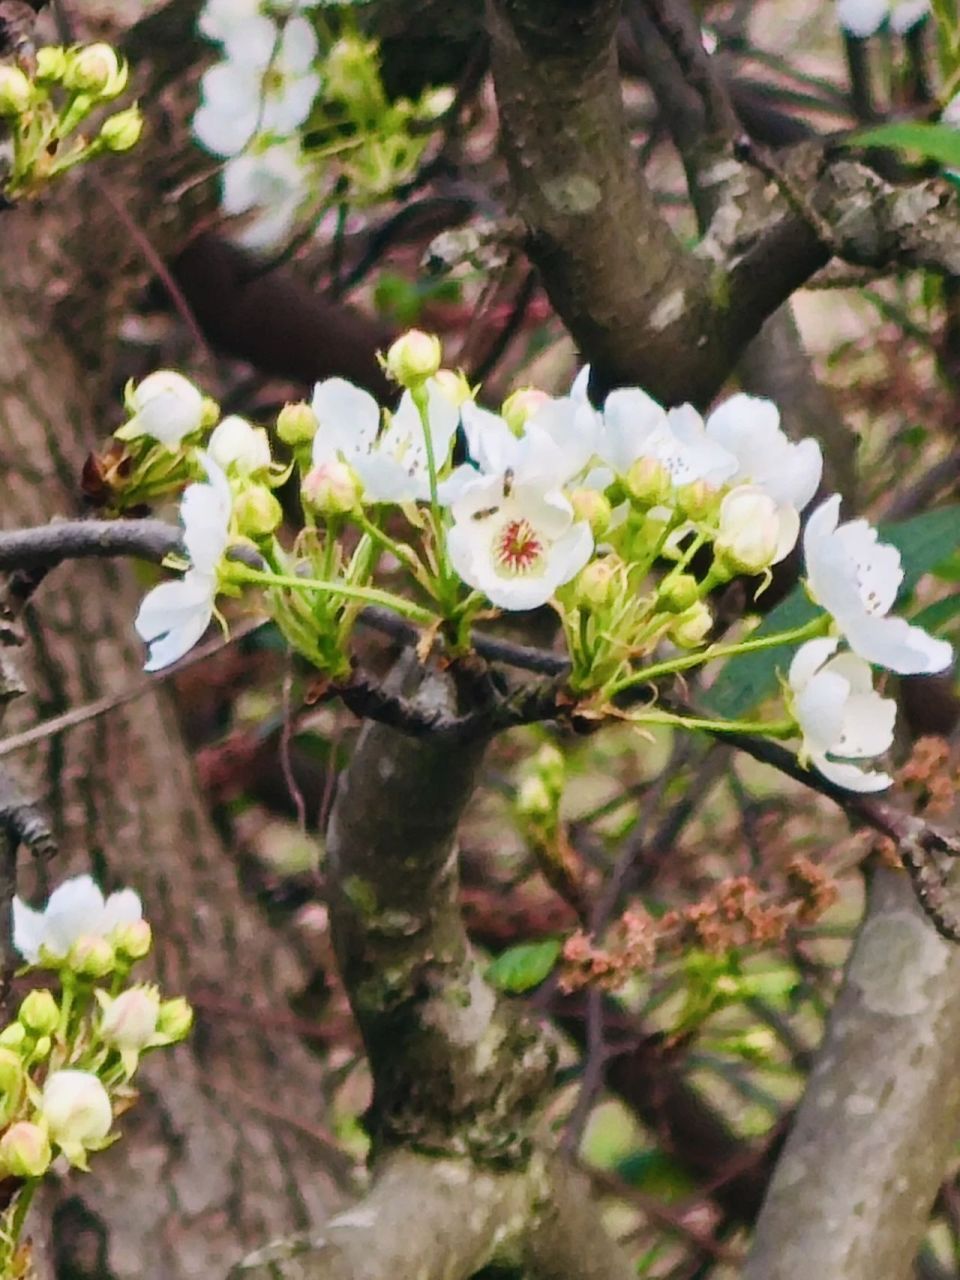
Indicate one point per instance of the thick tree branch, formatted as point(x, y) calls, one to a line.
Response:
point(49, 545)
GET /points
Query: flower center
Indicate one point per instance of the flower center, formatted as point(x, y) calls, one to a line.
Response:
point(517, 549)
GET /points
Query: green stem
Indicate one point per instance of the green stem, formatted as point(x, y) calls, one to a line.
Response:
point(369, 595)
point(765, 728)
point(809, 629)
point(421, 398)
point(22, 1208)
point(406, 555)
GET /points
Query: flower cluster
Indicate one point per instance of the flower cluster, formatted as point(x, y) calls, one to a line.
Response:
point(273, 83)
point(44, 105)
point(67, 1060)
point(624, 518)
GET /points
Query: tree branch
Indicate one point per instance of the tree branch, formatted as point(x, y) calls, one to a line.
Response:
point(49, 545)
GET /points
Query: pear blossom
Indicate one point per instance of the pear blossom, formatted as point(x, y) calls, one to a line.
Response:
point(271, 185)
point(516, 540)
point(267, 85)
point(235, 443)
point(749, 428)
point(864, 18)
point(391, 462)
point(166, 407)
point(840, 714)
point(855, 577)
point(174, 615)
point(556, 443)
point(76, 910)
point(77, 1111)
point(635, 427)
point(129, 1022)
point(754, 532)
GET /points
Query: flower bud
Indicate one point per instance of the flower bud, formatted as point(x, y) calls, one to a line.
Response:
point(41, 1049)
point(551, 766)
point(414, 357)
point(51, 64)
point(165, 406)
point(25, 1150)
point(257, 512)
point(331, 489)
point(132, 940)
point(16, 91)
point(454, 386)
point(692, 627)
point(14, 1035)
point(77, 1111)
point(130, 1021)
point(235, 443)
point(91, 956)
point(39, 1012)
point(749, 533)
point(600, 583)
point(95, 70)
point(534, 799)
point(648, 482)
point(697, 500)
point(591, 505)
point(175, 1019)
point(521, 405)
point(678, 592)
point(296, 423)
point(12, 1083)
point(122, 131)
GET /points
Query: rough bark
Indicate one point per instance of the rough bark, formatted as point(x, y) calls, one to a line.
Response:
point(206, 1167)
point(852, 1192)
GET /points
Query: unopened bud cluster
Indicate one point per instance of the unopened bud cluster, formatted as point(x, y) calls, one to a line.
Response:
point(46, 107)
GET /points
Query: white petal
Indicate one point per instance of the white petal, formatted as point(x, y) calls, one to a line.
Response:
point(895, 644)
point(630, 417)
point(492, 445)
point(171, 604)
point(179, 640)
point(571, 552)
point(122, 907)
point(346, 413)
point(284, 112)
point(851, 776)
point(862, 17)
point(75, 908)
point(868, 724)
point(28, 930)
point(298, 47)
point(221, 132)
point(387, 479)
point(877, 565)
point(819, 709)
point(808, 659)
point(907, 13)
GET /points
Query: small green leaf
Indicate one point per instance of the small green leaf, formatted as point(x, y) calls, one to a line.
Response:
point(923, 541)
point(524, 966)
point(940, 142)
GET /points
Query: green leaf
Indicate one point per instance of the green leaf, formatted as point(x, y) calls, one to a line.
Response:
point(940, 142)
point(923, 541)
point(524, 966)
point(940, 612)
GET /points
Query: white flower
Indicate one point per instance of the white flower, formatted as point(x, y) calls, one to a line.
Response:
point(77, 1111)
point(635, 426)
point(865, 17)
point(856, 578)
point(754, 532)
point(166, 407)
point(516, 542)
point(263, 87)
point(840, 714)
point(175, 615)
point(749, 428)
point(235, 443)
point(554, 446)
point(272, 182)
point(391, 463)
point(76, 910)
point(630, 419)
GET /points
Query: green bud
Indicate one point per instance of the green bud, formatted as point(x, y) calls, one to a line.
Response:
point(648, 482)
point(454, 386)
point(534, 799)
point(678, 592)
point(551, 766)
point(296, 423)
point(16, 91)
point(122, 131)
point(42, 1048)
point(257, 512)
point(692, 627)
point(95, 70)
point(25, 1150)
point(132, 940)
point(39, 1012)
point(697, 500)
point(331, 489)
point(600, 583)
point(175, 1019)
point(413, 358)
point(14, 1035)
point(12, 1083)
point(92, 957)
point(592, 506)
point(51, 63)
point(521, 405)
